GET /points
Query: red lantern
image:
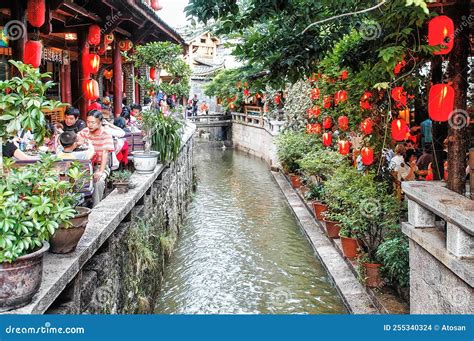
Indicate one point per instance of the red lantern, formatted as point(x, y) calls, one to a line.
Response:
point(367, 126)
point(344, 147)
point(399, 129)
point(277, 99)
point(90, 88)
point(246, 92)
point(399, 67)
point(399, 95)
point(108, 74)
point(364, 101)
point(33, 53)
point(125, 45)
point(93, 38)
point(309, 128)
point(314, 112)
point(441, 32)
point(344, 74)
point(327, 139)
point(316, 129)
point(343, 123)
point(232, 105)
point(327, 101)
point(109, 38)
point(340, 97)
point(327, 123)
point(94, 63)
point(367, 154)
point(155, 4)
point(315, 93)
point(36, 12)
point(441, 102)
point(152, 73)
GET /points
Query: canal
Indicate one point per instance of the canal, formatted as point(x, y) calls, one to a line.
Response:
point(241, 250)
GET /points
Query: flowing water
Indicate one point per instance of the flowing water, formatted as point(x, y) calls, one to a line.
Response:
point(241, 250)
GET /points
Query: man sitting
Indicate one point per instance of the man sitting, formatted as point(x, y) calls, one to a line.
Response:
point(103, 145)
point(69, 143)
point(72, 122)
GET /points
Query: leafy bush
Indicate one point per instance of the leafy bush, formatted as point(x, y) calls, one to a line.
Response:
point(121, 176)
point(293, 146)
point(393, 253)
point(321, 162)
point(33, 204)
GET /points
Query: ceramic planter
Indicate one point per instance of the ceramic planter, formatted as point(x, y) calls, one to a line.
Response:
point(332, 229)
point(373, 279)
point(145, 162)
point(319, 208)
point(349, 247)
point(21, 279)
point(295, 181)
point(65, 240)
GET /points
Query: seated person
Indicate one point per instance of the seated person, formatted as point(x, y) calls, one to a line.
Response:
point(97, 135)
point(398, 159)
point(68, 150)
point(72, 122)
point(10, 149)
point(425, 160)
point(136, 109)
point(407, 171)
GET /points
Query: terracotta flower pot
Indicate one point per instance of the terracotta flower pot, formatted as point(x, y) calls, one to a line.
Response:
point(319, 208)
point(373, 279)
point(21, 279)
point(332, 229)
point(295, 181)
point(65, 240)
point(349, 247)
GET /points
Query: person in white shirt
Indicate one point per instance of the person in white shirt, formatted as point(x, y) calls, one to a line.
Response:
point(398, 159)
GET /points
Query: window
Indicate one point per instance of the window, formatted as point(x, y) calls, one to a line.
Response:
point(203, 40)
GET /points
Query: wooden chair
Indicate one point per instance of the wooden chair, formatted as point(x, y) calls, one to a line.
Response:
point(55, 115)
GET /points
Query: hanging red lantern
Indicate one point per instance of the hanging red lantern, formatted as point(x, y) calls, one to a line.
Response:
point(309, 128)
point(344, 74)
point(399, 129)
point(152, 73)
point(314, 111)
point(36, 12)
point(109, 38)
point(125, 45)
point(364, 101)
point(399, 95)
point(340, 97)
point(441, 102)
point(327, 101)
point(343, 123)
point(93, 38)
point(90, 88)
point(315, 94)
point(327, 123)
point(327, 139)
point(155, 4)
point(33, 53)
point(344, 147)
point(108, 74)
point(94, 63)
point(277, 99)
point(232, 106)
point(367, 126)
point(367, 154)
point(316, 129)
point(246, 92)
point(246, 84)
point(441, 32)
point(399, 67)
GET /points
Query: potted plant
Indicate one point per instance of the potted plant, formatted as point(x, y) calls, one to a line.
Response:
point(121, 180)
point(32, 207)
point(162, 136)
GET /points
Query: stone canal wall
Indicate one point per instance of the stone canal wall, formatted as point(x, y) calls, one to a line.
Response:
point(118, 264)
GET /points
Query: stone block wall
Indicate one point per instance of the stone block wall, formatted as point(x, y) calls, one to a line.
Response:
point(256, 141)
point(124, 275)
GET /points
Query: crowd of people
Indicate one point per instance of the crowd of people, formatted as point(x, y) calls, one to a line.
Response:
point(100, 139)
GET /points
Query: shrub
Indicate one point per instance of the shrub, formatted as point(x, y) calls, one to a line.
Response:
point(292, 147)
point(393, 253)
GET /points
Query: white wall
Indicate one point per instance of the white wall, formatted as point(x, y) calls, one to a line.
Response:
point(256, 141)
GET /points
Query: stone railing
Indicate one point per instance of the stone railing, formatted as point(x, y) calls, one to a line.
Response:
point(102, 274)
point(271, 126)
point(440, 228)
